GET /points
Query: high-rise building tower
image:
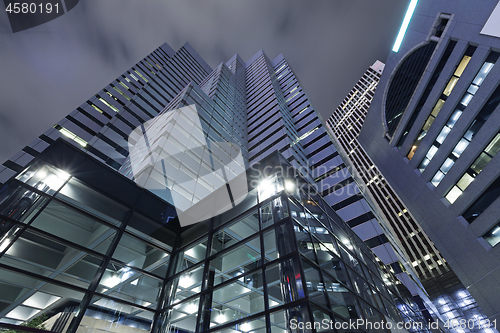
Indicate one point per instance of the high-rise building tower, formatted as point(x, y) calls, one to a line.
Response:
point(438, 280)
point(433, 131)
point(84, 248)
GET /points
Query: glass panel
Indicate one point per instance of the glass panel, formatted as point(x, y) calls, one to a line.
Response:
point(314, 284)
point(271, 252)
point(231, 234)
point(151, 231)
point(466, 99)
point(38, 250)
point(135, 252)
point(494, 146)
point(19, 204)
point(361, 287)
point(83, 197)
point(431, 152)
point(465, 181)
point(130, 285)
point(460, 147)
point(72, 225)
point(453, 195)
point(493, 236)
point(391, 310)
point(109, 316)
point(193, 255)
point(187, 284)
point(472, 89)
point(279, 322)
point(437, 178)
point(451, 84)
point(291, 320)
point(453, 119)
point(427, 125)
point(337, 269)
point(461, 67)
point(284, 282)
point(236, 300)
point(485, 69)
point(237, 261)
point(280, 210)
point(297, 212)
point(447, 164)
point(266, 215)
point(44, 177)
point(28, 311)
point(321, 320)
point(372, 316)
point(304, 242)
point(342, 301)
point(82, 272)
point(480, 162)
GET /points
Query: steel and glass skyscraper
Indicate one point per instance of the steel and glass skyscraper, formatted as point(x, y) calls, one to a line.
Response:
point(86, 247)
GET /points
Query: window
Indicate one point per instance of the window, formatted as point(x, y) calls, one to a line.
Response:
point(476, 167)
point(474, 86)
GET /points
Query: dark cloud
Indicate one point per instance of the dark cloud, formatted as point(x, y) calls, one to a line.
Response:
point(49, 70)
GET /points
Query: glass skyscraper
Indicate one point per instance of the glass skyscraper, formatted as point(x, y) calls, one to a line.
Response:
point(85, 249)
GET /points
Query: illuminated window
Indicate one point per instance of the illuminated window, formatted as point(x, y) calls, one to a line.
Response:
point(476, 167)
point(71, 135)
point(466, 98)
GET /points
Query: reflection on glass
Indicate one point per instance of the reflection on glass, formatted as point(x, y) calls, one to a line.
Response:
point(236, 231)
point(237, 261)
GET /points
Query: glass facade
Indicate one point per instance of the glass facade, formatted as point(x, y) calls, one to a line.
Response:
point(80, 256)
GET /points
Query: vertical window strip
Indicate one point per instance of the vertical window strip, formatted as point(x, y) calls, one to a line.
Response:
point(440, 103)
point(466, 98)
point(466, 139)
point(476, 167)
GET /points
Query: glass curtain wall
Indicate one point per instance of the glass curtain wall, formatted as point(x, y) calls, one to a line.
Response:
point(76, 260)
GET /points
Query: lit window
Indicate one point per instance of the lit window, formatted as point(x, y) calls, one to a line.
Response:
point(460, 147)
point(453, 195)
point(493, 235)
point(438, 177)
point(71, 135)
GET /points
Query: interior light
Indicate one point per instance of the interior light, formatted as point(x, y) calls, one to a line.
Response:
point(7, 241)
point(112, 281)
point(42, 173)
point(186, 281)
point(245, 327)
point(191, 308)
point(267, 188)
point(221, 318)
point(53, 181)
point(404, 26)
point(496, 230)
point(289, 186)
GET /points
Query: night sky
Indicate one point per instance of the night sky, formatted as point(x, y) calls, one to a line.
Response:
point(49, 70)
